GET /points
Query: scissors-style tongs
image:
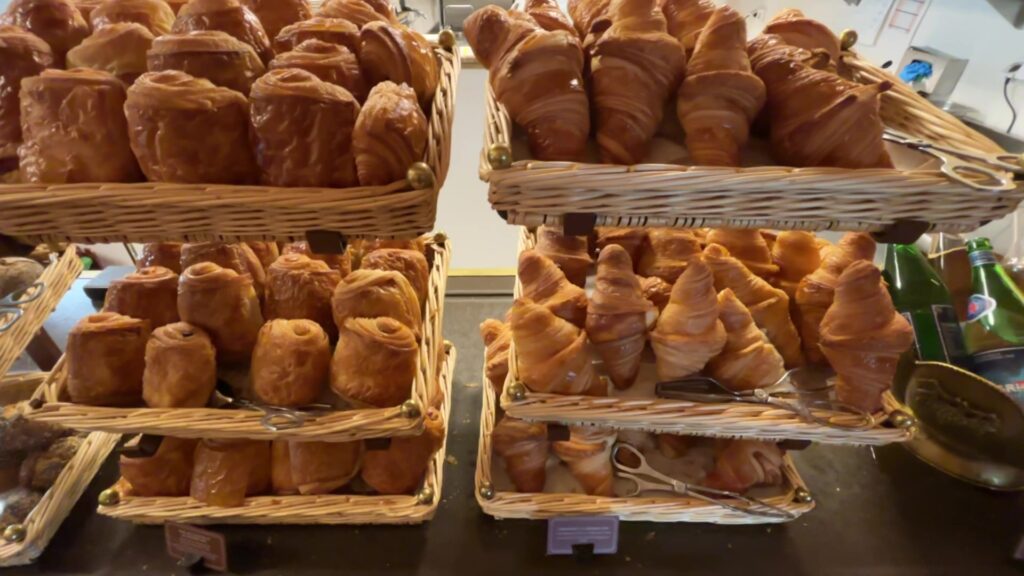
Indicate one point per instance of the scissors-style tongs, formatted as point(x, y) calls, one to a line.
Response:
point(277, 418)
point(647, 479)
point(11, 305)
point(975, 169)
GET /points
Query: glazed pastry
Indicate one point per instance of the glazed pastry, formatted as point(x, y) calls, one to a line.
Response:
point(40, 470)
point(22, 54)
point(309, 468)
point(290, 363)
point(149, 294)
point(720, 97)
point(119, 49)
point(570, 253)
point(187, 130)
point(796, 254)
point(106, 356)
point(748, 360)
point(408, 263)
point(402, 466)
point(863, 337)
point(552, 353)
point(548, 14)
point(686, 19)
point(56, 22)
point(340, 262)
point(768, 305)
point(656, 291)
point(73, 129)
point(275, 15)
point(237, 257)
point(331, 30)
point(331, 63)
point(688, 332)
point(632, 239)
point(798, 30)
point(375, 362)
point(497, 338)
point(635, 66)
point(376, 293)
point(618, 316)
point(666, 253)
point(164, 254)
point(815, 292)
point(211, 54)
point(167, 472)
point(390, 134)
point(181, 367)
point(398, 54)
point(742, 464)
point(588, 454)
point(155, 15)
point(299, 287)
point(226, 471)
point(359, 12)
point(538, 76)
point(524, 447)
point(223, 303)
point(230, 16)
point(302, 130)
point(546, 284)
point(748, 246)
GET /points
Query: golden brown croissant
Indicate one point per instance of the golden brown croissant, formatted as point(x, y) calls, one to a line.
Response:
point(768, 305)
point(748, 246)
point(329, 62)
point(632, 239)
point(374, 293)
point(148, 294)
point(56, 22)
point(331, 30)
point(155, 15)
point(220, 58)
point(798, 30)
point(635, 66)
point(588, 454)
point(300, 287)
point(291, 111)
point(73, 128)
point(375, 362)
point(275, 15)
point(164, 254)
point(340, 262)
point(181, 367)
point(617, 316)
point(230, 16)
point(552, 353)
point(686, 19)
point(524, 447)
point(666, 253)
point(688, 332)
point(863, 337)
point(359, 12)
point(548, 15)
point(365, 246)
point(497, 338)
point(167, 472)
point(290, 363)
point(796, 254)
point(767, 47)
point(538, 76)
point(674, 445)
point(408, 263)
point(85, 8)
point(266, 252)
point(815, 292)
point(720, 97)
point(401, 467)
point(544, 283)
point(742, 464)
point(226, 471)
point(656, 290)
point(748, 360)
point(586, 13)
point(223, 303)
point(106, 356)
point(22, 54)
point(119, 49)
point(186, 129)
point(396, 53)
point(314, 467)
point(570, 253)
point(390, 134)
point(238, 257)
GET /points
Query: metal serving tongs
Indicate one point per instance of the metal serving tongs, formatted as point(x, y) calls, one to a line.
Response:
point(11, 305)
point(275, 418)
point(648, 479)
point(975, 169)
point(804, 391)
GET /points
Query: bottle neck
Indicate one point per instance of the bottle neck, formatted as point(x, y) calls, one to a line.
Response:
point(981, 257)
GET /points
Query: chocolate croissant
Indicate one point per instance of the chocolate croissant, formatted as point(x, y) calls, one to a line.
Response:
point(106, 356)
point(181, 367)
point(544, 283)
point(689, 331)
point(570, 253)
point(497, 337)
point(56, 22)
point(359, 12)
point(331, 63)
point(149, 294)
point(226, 471)
point(748, 360)
point(119, 49)
point(290, 363)
point(299, 287)
point(155, 15)
point(748, 246)
point(551, 353)
point(401, 467)
point(223, 303)
point(163, 254)
point(588, 454)
point(230, 16)
point(666, 253)
point(686, 19)
point(549, 15)
point(375, 362)
point(743, 464)
point(524, 447)
point(275, 15)
point(22, 54)
point(309, 468)
point(331, 30)
point(396, 53)
point(376, 293)
point(390, 134)
point(341, 262)
point(408, 263)
point(211, 54)
point(166, 472)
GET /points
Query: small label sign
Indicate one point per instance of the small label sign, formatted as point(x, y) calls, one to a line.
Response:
point(601, 532)
point(189, 543)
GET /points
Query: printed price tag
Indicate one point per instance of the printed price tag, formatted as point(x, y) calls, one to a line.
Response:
point(187, 543)
point(568, 533)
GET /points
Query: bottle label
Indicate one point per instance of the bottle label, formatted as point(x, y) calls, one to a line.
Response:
point(937, 334)
point(978, 305)
point(1004, 367)
point(982, 257)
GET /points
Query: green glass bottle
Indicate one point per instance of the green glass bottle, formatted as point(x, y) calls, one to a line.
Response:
point(995, 321)
point(921, 297)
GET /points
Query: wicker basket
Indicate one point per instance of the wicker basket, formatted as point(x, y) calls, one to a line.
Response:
point(531, 192)
point(727, 420)
point(326, 509)
point(153, 211)
point(796, 498)
point(42, 523)
point(339, 426)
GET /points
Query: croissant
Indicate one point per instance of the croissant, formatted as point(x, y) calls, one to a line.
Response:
point(796, 254)
point(340, 262)
point(119, 49)
point(544, 283)
point(166, 472)
point(359, 12)
point(863, 337)
point(570, 253)
point(398, 54)
point(588, 454)
point(748, 360)
point(331, 63)
point(230, 16)
point(688, 332)
point(617, 316)
point(149, 294)
point(720, 97)
point(163, 254)
point(538, 76)
point(631, 239)
point(375, 293)
point(656, 291)
point(156, 15)
point(181, 367)
point(22, 54)
point(375, 362)
point(275, 15)
point(301, 288)
point(497, 338)
point(674, 445)
point(798, 30)
point(686, 19)
point(85, 8)
point(223, 303)
point(666, 253)
point(331, 30)
point(401, 467)
point(266, 252)
point(237, 257)
point(552, 353)
point(310, 468)
point(586, 14)
point(815, 292)
point(408, 263)
point(524, 447)
point(226, 471)
point(742, 464)
point(106, 357)
point(635, 66)
point(747, 246)
point(56, 22)
point(548, 15)
point(290, 362)
point(211, 54)
point(390, 134)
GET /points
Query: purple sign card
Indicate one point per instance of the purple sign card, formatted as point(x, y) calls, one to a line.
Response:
point(568, 531)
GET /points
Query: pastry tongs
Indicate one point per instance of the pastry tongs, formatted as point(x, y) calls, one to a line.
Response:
point(804, 391)
point(975, 169)
point(275, 418)
point(647, 479)
point(11, 305)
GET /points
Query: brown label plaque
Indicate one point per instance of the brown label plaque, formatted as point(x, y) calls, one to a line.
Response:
point(192, 544)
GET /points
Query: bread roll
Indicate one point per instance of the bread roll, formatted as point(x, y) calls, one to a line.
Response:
point(401, 468)
point(57, 22)
point(166, 254)
point(149, 294)
point(181, 367)
point(22, 54)
point(340, 262)
point(375, 362)
point(300, 287)
point(276, 14)
point(331, 30)
point(156, 15)
point(223, 303)
point(167, 472)
point(119, 49)
point(408, 263)
point(373, 293)
point(106, 357)
point(390, 134)
point(396, 53)
point(290, 363)
point(314, 467)
point(229, 16)
point(329, 62)
point(226, 471)
point(211, 54)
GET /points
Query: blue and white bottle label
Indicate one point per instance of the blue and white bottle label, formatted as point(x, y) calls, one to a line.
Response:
point(978, 305)
point(1004, 367)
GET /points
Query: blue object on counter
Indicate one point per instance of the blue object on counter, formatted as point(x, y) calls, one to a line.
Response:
point(916, 70)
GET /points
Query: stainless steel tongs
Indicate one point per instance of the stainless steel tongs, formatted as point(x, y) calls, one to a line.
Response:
point(975, 169)
point(11, 305)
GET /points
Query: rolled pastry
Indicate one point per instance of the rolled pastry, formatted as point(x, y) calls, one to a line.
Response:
point(390, 134)
point(631, 239)
point(57, 22)
point(588, 454)
point(185, 129)
point(265, 252)
point(156, 15)
point(359, 12)
point(290, 363)
point(524, 447)
point(238, 257)
point(545, 283)
point(230, 16)
point(375, 362)
point(570, 253)
point(223, 303)
point(181, 367)
point(331, 30)
point(408, 263)
point(748, 246)
point(552, 354)
point(165, 254)
point(106, 356)
point(331, 63)
point(666, 253)
point(497, 338)
point(226, 471)
point(401, 467)
point(373, 293)
point(150, 294)
point(119, 49)
point(167, 472)
point(400, 55)
point(314, 467)
point(340, 262)
point(22, 54)
point(211, 54)
point(274, 15)
point(300, 287)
